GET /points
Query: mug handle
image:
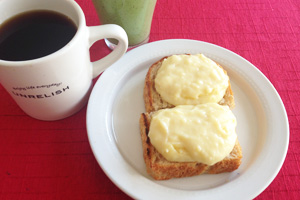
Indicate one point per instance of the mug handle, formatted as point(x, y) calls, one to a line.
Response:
point(108, 31)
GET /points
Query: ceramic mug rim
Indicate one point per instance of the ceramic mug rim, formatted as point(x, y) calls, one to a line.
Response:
point(80, 27)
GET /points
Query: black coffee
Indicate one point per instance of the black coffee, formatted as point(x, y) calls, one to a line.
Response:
point(34, 34)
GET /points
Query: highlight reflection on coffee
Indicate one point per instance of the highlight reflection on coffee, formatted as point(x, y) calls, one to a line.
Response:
point(34, 34)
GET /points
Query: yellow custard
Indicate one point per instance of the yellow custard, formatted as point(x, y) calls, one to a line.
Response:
point(203, 133)
point(191, 80)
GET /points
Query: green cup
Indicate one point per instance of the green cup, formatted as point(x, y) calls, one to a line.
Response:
point(135, 16)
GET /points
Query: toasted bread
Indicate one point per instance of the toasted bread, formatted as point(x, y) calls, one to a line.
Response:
point(153, 100)
point(157, 166)
point(161, 169)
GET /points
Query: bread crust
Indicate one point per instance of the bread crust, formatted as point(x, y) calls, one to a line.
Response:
point(161, 169)
point(153, 100)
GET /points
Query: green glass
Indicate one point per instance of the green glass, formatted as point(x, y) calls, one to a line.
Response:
point(135, 16)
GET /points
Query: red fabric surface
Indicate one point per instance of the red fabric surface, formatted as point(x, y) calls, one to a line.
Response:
point(53, 160)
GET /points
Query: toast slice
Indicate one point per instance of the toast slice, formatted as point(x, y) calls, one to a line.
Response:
point(153, 100)
point(161, 169)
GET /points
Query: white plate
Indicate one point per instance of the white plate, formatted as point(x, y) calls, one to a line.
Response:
point(116, 103)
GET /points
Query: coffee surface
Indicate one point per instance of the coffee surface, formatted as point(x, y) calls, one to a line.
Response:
point(34, 34)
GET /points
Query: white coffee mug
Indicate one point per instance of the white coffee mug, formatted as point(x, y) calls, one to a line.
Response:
point(57, 85)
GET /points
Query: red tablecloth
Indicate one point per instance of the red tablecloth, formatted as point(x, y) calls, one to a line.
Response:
point(53, 160)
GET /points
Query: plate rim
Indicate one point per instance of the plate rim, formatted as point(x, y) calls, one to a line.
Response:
point(137, 194)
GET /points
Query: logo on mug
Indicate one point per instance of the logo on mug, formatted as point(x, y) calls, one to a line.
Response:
point(42, 95)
